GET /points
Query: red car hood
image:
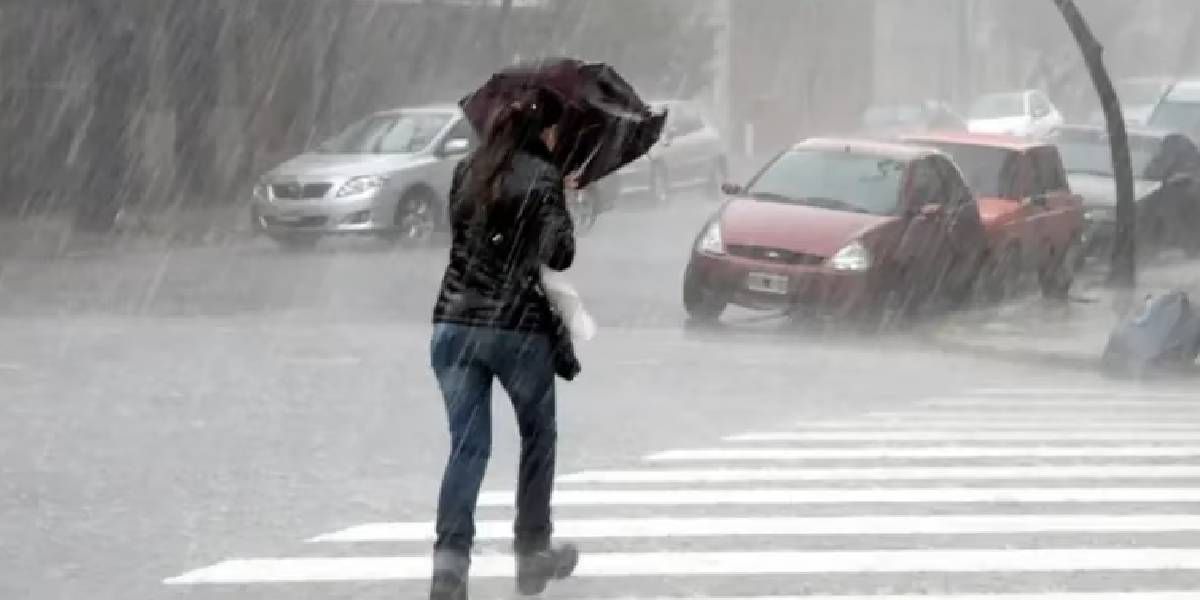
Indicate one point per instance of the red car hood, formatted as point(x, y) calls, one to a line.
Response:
point(997, 212)
point(802, 229)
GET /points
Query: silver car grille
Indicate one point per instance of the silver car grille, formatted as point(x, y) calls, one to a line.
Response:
point(299, 191)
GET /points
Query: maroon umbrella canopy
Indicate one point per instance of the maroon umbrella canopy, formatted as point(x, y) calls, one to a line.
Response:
point(605, 125)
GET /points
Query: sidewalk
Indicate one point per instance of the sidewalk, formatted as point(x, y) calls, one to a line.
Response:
point(53, 236)
point(1070, 335)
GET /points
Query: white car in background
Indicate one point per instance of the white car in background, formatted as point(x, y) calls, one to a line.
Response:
point(1024, 113)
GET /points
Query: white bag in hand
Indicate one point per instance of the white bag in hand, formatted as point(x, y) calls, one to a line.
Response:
point(566, 301)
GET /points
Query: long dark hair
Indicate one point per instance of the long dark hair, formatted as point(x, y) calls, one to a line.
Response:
point(512, 127)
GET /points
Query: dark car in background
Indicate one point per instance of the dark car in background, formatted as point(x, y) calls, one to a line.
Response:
point(911, 117)
point(690, 156)
point(1166, 170)
point(852, 228)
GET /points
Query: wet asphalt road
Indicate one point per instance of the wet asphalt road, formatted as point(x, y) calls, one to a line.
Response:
point(167, 411)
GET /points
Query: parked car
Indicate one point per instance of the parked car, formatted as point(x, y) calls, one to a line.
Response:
point(1034, 222)
point(386, 175)
point(1020, 113)
point(1179, 110)
point(854, 228)
point(1138, 96)
point(921, 116)
point(1166, 168)
point(689, 156)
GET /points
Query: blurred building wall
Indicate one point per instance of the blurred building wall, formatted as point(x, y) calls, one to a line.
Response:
point(797, 69)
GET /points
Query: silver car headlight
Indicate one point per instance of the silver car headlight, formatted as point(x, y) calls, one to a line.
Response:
point(262, 191)
point(852, 257)
point(362, 185)
point(711, 242)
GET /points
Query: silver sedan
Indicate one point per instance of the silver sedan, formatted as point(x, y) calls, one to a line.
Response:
point(387, 175)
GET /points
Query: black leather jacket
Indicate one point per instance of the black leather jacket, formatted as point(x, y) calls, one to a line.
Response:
point(492, 279)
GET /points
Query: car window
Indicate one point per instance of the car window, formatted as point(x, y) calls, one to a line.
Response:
point(927, 185)
point(1179, 117)
point(462, 130)
point(995, 106)
point(1088, 152)
point(1047, 171)
point(831, 179)
point(954, 188)
point(990, 172)
point(400, 133)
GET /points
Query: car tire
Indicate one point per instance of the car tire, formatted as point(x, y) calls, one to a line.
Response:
point(1001, 275)
point(295, 242)
point(660, 185)
point(1056, 278)
point(704, 305)
point(415, 220)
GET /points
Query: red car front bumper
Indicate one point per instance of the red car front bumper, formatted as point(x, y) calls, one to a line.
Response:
point(800, 288)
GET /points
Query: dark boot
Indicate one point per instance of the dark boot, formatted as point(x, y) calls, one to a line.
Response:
point(536, 569)
point(448, 586)
point(449, 576)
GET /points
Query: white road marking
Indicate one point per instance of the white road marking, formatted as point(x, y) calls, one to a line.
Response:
point(1084, 403)
point(886, 473)
point(1109, 392)
point(1163, 595)
point(941, 424)
point(975, 436)
point(1066, 417)
point(794, 526)
point(801, 496)
point(294, 570)
point(881, 452)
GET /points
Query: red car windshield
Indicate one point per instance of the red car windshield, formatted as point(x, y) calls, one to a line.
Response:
point(834, 180)
point(991, 172)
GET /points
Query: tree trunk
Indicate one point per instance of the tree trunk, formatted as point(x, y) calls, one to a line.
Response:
point(1122, 272)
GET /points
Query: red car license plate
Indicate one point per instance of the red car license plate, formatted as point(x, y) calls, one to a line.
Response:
point(767, 283)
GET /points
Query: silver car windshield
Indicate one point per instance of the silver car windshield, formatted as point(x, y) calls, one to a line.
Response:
point(833, 180)
point(400, 133)
point(1089, 153)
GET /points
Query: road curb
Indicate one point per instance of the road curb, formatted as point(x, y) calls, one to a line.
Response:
point(1012, 351)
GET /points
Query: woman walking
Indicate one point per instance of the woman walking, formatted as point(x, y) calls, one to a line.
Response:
point(493, 322)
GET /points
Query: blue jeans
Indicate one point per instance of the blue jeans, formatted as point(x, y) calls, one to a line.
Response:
point(466, 360)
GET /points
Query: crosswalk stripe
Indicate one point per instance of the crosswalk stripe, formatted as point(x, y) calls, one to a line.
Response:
point(882, 452)
point(1082, 392)
point(801, 496)
point(1157, 595)
point(1085, 403)
point(790, 526)
point(662, 564)
point(940, 424)
point(977, 436)
point(719, 475)
point(1192, 415)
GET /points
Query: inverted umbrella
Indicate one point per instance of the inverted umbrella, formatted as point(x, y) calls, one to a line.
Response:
point(605, 125)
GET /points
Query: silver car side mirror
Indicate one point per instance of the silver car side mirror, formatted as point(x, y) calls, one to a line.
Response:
point(456, 146)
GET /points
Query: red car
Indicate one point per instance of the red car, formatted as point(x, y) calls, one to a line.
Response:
point(1033, 220)
point(849, 227)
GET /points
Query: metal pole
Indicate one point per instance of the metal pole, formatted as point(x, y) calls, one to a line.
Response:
point(1122, 271)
